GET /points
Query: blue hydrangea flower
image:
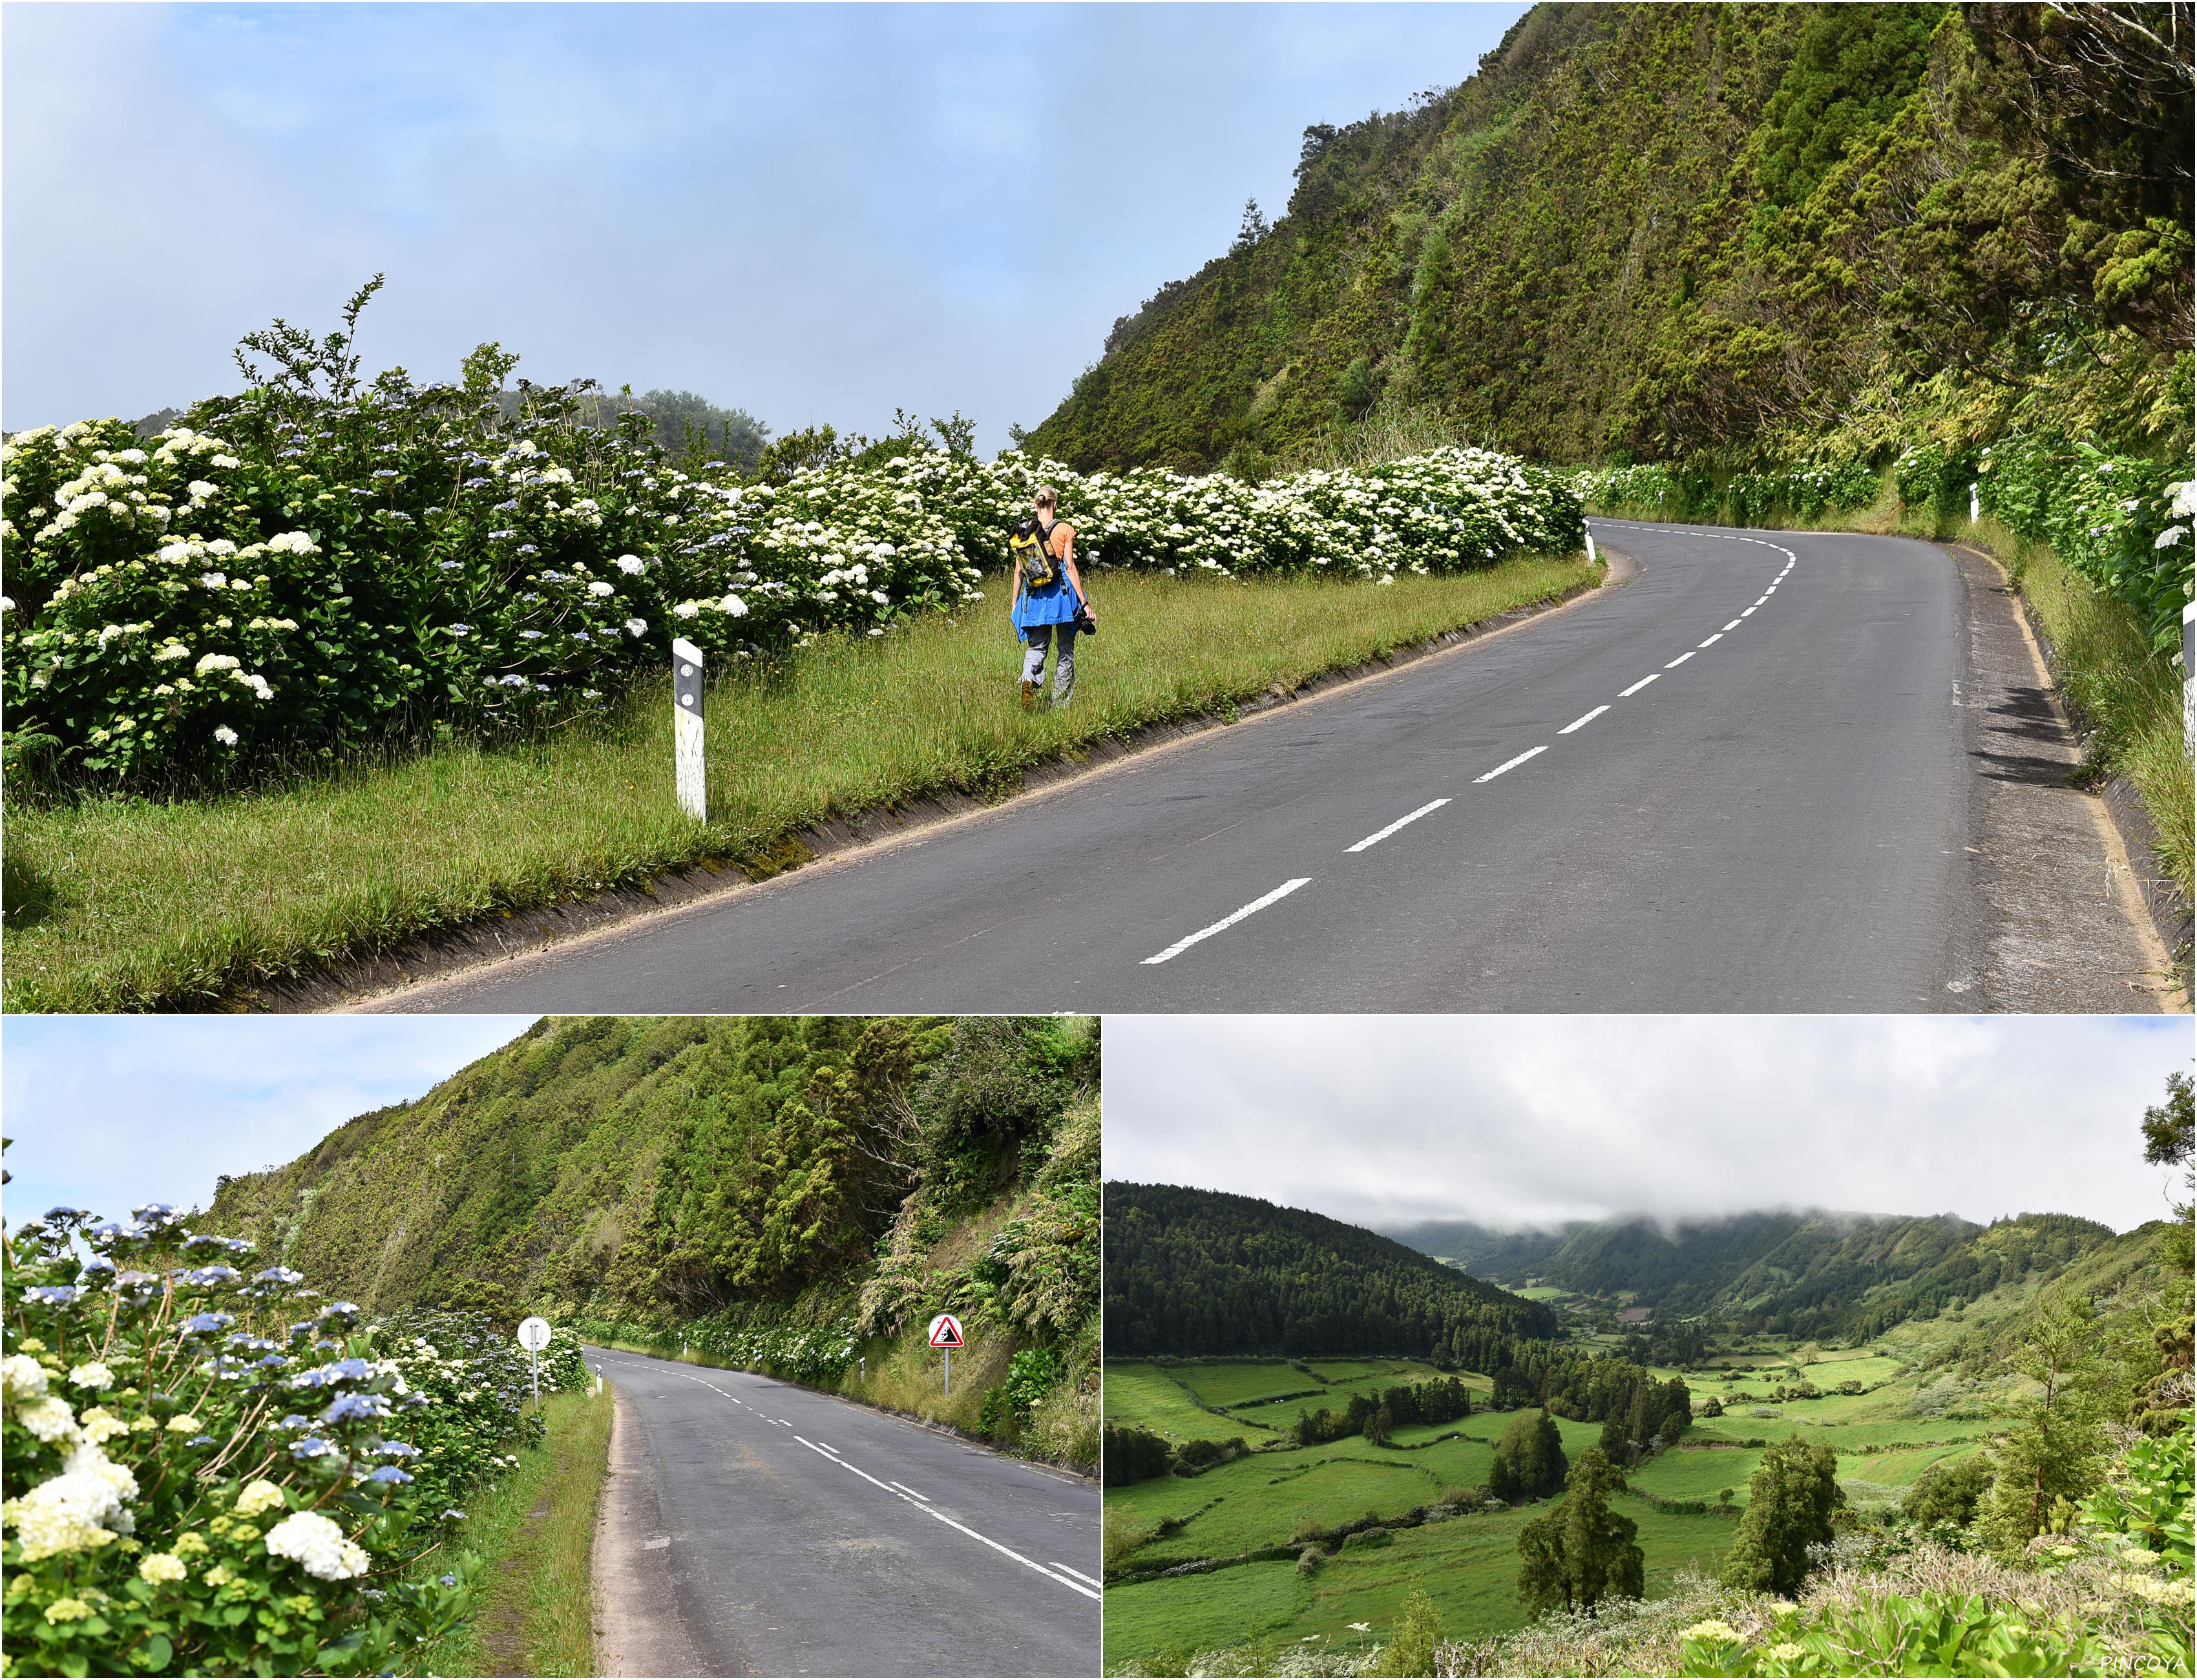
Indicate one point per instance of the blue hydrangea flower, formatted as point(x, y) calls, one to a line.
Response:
point(51, 1294)
point(296, 1420)
point(312, 1446)
point(346, 1408)
point(207, 1324)
point(390, 1475)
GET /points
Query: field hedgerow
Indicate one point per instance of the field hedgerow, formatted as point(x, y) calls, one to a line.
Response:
point(213, 1472)
point(324, 561)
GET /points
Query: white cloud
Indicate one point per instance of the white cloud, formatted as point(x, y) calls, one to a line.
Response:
point(1532, 1120)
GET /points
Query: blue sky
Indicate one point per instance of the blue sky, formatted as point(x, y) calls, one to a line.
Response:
point(1534, 1120)
point(811, 212)
point(111, 1112)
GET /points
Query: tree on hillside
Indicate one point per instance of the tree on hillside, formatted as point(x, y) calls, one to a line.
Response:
point(1253, 228)
point(1617, 1444)
point(2052, 1452)
point(1581, 1552)
point(1790, 1500)
point(1529, 1459)
point(2163, 1402)
point(1949, 1493)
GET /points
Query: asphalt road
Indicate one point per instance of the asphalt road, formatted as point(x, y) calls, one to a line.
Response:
point(797, 1534)
point(1742, 781)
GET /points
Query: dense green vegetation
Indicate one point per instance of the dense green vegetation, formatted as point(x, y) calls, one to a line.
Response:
point(1792, 1274)
point(791, 1195)
point(1670, 231)
point(1988, 1463)
point(1192, 1271)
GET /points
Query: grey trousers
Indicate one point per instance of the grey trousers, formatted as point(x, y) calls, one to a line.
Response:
point(1062, 637)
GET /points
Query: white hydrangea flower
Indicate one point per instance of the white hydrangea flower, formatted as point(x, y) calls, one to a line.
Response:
point(636, 628)
point(21, 1377)
point(161, 1567)
point(292, 542)
point(100, 1425)
point(599, 587)
point(686, 608)
point(260, 1495)
point(50, 1419)
point(631, 564)
point(734, 606)
point(216, 662)
point(317, 1546)
point(224, 734)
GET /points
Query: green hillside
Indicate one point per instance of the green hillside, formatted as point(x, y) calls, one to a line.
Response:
point(1193, 1273)
point(1797, 1274)
point(1659, 230)
point(795, 1195)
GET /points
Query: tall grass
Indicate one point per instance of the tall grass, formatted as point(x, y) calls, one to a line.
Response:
point(136, 904)
point(536, 1531)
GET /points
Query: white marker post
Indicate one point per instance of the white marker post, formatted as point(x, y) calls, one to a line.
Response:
point(1975, 506)
point(1592, 559)
point(686, 726)
point(534, 1336)
point(946, 1333)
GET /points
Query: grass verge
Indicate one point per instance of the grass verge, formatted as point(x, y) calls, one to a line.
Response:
point(2126, 700)
point(535, 1531)
point(134, 904)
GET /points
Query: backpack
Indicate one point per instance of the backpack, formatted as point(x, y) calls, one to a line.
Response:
point(1030, 548)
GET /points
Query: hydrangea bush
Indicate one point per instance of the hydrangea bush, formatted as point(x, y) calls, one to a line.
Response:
point(208, 1469)
point(812, 1355)
point(290, 573)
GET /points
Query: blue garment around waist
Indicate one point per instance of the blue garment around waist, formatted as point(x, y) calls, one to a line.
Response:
point(1055, 604)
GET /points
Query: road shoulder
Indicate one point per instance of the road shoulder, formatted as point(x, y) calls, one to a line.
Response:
point(2069, 931)
point(633, 1637)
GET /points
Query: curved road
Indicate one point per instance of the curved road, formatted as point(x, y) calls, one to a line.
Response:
point(754, 1527)
point(1747, 780)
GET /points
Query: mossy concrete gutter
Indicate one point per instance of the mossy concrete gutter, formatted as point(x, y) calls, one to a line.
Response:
point(415, 965)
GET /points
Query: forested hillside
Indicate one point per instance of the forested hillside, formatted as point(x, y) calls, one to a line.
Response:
point(1795, 1274)
point(781, 1193)
point(1195, 1272)
point(1657, 230)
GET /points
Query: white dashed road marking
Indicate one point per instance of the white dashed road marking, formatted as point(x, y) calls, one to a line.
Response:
point(1380, 834)
point(1433, 805)
point(1513, 763)
point(1229, 921)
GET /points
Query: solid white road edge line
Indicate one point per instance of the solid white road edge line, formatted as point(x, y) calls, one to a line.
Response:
point(1512, 764)
point(911, 1492)
point(1581, 722)
point(1229, 921)
point(1379, 835)
point(1628, 693)
point(1078, 1573)
point(1005, 1551)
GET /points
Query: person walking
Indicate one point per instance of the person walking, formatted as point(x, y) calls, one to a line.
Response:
point(1050, 604)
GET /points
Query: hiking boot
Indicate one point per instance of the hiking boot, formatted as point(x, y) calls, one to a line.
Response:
point(1029, 695)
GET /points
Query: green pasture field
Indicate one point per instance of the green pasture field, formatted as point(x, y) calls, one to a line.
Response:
point(1698, 1475)
point(1469, 1565)
point(1281, 1414)
point(132, 904)
point(1138, 1393)
point(1870, 1368)
point(1240, 1382)
point(1259, 1501)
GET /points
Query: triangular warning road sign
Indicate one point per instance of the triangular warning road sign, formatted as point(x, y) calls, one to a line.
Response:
point(946, 1331)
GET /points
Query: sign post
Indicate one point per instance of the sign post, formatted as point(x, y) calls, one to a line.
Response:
point(687, 727)
point(534, 1336)
point(946, 1333)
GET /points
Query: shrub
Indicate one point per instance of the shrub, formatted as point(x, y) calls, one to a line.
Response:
point(205, 1472)
point(317, 563)
point(1129, 1454)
